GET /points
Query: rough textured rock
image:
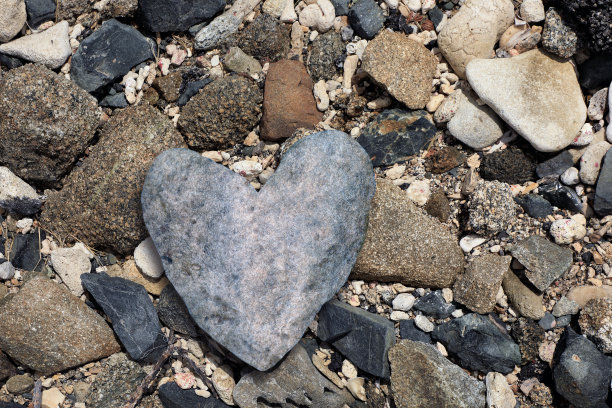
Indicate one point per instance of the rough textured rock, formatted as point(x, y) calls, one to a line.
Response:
point(169, 86)
point(40, 11)
point(596, 322)
point(43, 133)
point(594, 20)
point(70, 264)
point(498, 82)
point(7, 368)
point(478, 287)
point(326, 52)
point(130, 271)
point(433, 304)
point(510, 166)
point(177, 15)
point(491, 207)
point(330, 199)
point(12, 18)
point(396, 135)
point(534, 205)
point(529, 336)
point(366, 18)
point(114, 385)
point(475, 125)
point(17, 196)
point(266, 39)
point(583, 294)
point(238, 61)
point(99, 203)
point(294, 381)
point(544, 261)
point(421, 377)
point(401, 66)
point(363, 337)
point(173, 312)
point(557, 36)
point(100, 59)
point(499, 393)
point(222, 114)
point(25, 251)
point(36, 335)
point(590, 162)
point(479, 343)
point(172, 396)
point(596, 71)
point(522, 298)
point(288, 102)
point(403, 244)
point(473, 31)
point(50, 47)
point(603, 190)
point(131, 312)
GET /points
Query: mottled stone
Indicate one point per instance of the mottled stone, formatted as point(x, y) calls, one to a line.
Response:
point(169, 86)
point(177, 15)
point(322, 189)
point(403, 244)
point(266, 39)
point(48, 329)
point(238, 61)
point(478, 287)
point(603, 190)
point(433, 304)
point(113, 386)
point(529, 336)
point(396, 135)
point(491, 207)
point(326, 52)
point(99, 203)
point(596, 322)
point(510, 166)
point(16, 196)
point(12, 18)
point(557, 36)
point(401, 66)
point(366, 18)
point(50, 47)
point(43, 133)
point(422, 377)
point(522, 299)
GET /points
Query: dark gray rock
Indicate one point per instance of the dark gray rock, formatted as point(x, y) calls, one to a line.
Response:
point(341, 7)
point(40, 11)
point(172, 396)
point(422, 377)
point(113, 386)
point(266, 39)
point(434, 305)
point(10, 405)
point(435, 15)
point(7, 368)
point(534, 205)
point(557, 36)
point(479, 343)
point(110, 52)
point(543, 260)
point(117, 100)
point(10, 62)
point(548, 322)
point(603, 190)
point(582, 373)
point(556, 165)
point(396, 135)
point(529, 336)
point(25, 252)
point(295, 382)
point(362, 337)
point(326, 52)
point(561, 196)
point(258, 306)
point(131, 312)
point(176, 15)
point(409, 331)
point(192, 89)
point(366, 18)
point(596, 71)
point(173, 312)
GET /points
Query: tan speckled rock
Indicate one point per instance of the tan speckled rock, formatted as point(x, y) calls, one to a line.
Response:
point(12, 18)
point(596, 322)
point(473, 31)
point(46, 328)
point(547, 110)
point(583, 294)
point(527, 303)
point(402, 66)
point(130, 271)
point(404, 244)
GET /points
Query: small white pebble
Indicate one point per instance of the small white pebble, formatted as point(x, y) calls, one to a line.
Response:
point(424, 324)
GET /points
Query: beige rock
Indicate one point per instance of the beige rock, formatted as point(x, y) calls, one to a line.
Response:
point(319, 15)
point(52, 398)
point(473, 31)
point(583, 294)
point(50, 47)
point(499, 393)
point(130, 271)
point(70, 263)
point(521, 298)
point(355, 386)
point(12, 18)
point(590, 162)
point(275, 7)
point(224, 384)
point(319, 363)
point(532, 10)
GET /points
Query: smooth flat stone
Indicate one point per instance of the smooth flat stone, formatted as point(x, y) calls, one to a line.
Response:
point(254, 268)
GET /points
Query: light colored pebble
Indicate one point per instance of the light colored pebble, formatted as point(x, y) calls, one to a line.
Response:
point(348, 369)
point(585, 136)
point(247, 168)
point(184, 380)
point(70, 264)
point(424, 324)
point(320, 94)
point(380, 103)
point(470, 242)
point(213, 155)
point(419, 191)
point(447, 294)
point(319, 16)
point(532, 11)
point(52, 398)
point(568, 230)
point(395, 172)
point(414, 5)
point(224, 383)
point(50, 47)
point(597, 104)
point(434, 103)
point(12, 18)
point(403, 302)
point(147, 259)
point(590, 162)
point(356, 387)
point(397, 315)
point(499, 393)
point(570, 176)
point(7, 271)
point(441, 349)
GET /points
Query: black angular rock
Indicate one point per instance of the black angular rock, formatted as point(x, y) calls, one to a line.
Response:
point(479, 343)
point(561, 196)
point(117, 100)
point(395, 135)
point(366, 18)
point(510, 166)
point(176, 15)
point(581, 372)
point(362, 337)
point(10, 62)
point(40, 11)
point(7, 368)
point(173, 312)
point(534, 205)
point(172, 396)
point(25, 253)
point(596, 71)
point(408, 330)
point(603, 191)
point(556, 165)
point(433, 304)
point(131, 312)
point(341, 7)
point(110, 52)
point(191, 89)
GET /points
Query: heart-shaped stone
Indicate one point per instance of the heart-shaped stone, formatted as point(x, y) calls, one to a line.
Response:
point(254, 267)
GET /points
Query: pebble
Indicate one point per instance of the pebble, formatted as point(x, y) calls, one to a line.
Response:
point(50, 47)
point(52, 398)
point(366, 18)
point(424, 324)
point(568, 230)
point(237, 60)
point(419, 192)
point(70, 264)
point(414, 5)
point(557, 36)
point(469, 242)
point(12, 18)
point(320, 94)
point(403, 302)
point(532, 11)
point(20, 384)
point(475, 125)
point(597, 104)
point(7, 270)
point(319, 16)
point(499, 393)
point(491, 207)
point(147, 259)
point(570, 177)
point(224, 25)
point(565, 306)
point(16, 196)
point(522, 298)
point(603, 191)
point(477, 288)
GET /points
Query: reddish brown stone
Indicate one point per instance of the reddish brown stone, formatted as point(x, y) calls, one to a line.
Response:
point(288, 101)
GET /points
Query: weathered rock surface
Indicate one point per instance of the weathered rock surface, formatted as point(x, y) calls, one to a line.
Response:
point(43, 133)
point(366, 18)
point(522, 298)
point(478, 287)
point(403, 244)
point(50, 47)
point(99, 203)
point(262, 318)
point(173, 312)
point(40, 11)
point(17, 196)
point(70, 264)
point(114, 385)
point(596, 322)
point(421, 377)
point(35, 334)
point(402, 66)
point(473, 31)
point(12, 18)
point(603, 190)
point(266, 39)
point(516, 90)
point(177, 15)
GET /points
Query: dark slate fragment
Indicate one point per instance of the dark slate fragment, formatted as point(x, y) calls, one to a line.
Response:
point(7, 368)
point(408, 330)
point(176, 15)
point(341, 7)
point(191, 89)
point(603, 190)
point(172, 396)
point(364, 338)
point(581, 372)
point(173, 312)
point(10, 62)
point(556, 165)
point(479, 343)
point(40, 11)
point(561, 196)
point(596, 71)
point(534, 205)
point(117, 100)
point(510, 166)
point(433, 304)
point(366, 18)
point(548, 322)
point(435, 15)
point(395, 135)
point(25, 253)
point(110, 52)
point(131, 312)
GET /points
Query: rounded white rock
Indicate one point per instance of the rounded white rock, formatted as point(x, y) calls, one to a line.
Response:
point(147, 259)
point(424, 324)
point(532, 11)
point(403, 302)
point(568, 230)
point(12, 18)
point(570, 176)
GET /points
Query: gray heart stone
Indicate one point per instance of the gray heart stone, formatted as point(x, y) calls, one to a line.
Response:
point(254, 267)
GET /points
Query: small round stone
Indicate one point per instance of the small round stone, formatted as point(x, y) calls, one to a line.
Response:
point(148, 260)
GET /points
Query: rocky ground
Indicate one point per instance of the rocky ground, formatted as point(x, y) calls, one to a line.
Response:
point(485, 277)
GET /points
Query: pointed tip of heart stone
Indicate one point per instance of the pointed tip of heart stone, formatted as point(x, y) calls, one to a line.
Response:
point(255, 267)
